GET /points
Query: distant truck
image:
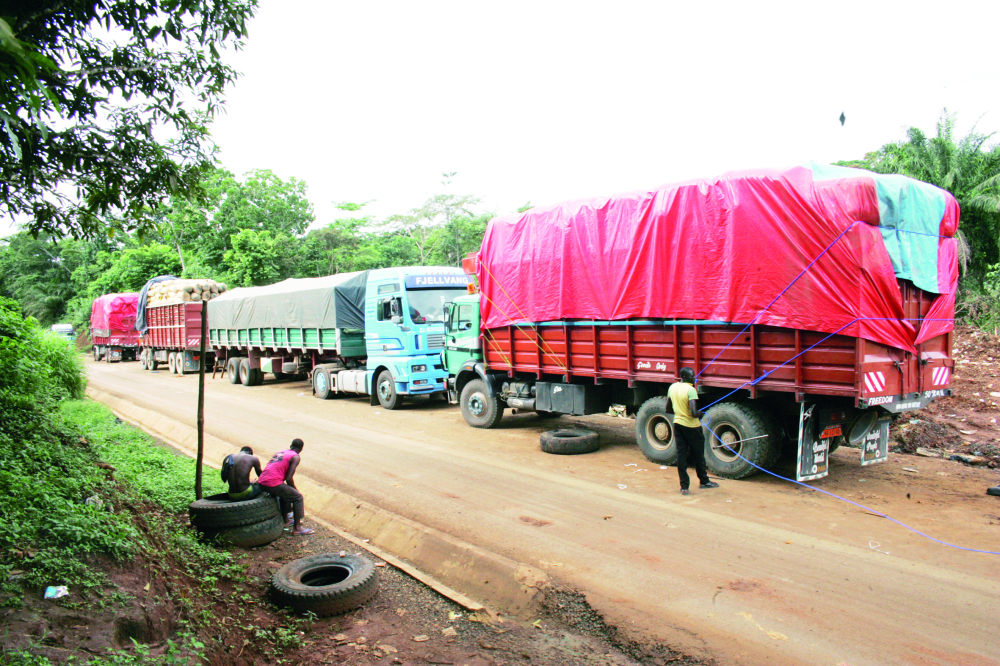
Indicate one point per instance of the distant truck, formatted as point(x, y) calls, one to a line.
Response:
point(171, 323)
point(377, 333)
point(64, 331)
point(797, 290)
point(112, 327)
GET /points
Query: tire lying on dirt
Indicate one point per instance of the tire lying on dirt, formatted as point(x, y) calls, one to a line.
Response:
point(246, 536)
point(218, 511)
point(570, 441)
point(742, 434)
point(325, 584)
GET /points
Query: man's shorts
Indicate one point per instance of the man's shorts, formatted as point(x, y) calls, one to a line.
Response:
point(248, 494)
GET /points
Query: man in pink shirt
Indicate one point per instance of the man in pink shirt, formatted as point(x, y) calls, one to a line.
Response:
point(278, 480)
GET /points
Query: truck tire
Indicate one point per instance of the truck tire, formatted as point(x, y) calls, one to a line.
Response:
point(153, 363)
point(250, 376)
point(179, 363)
point(142, 360)
point(752, 434)
point(97, 355)
point(218, 511)
point(233, 370)
point(480, 407)
point(322, 384)
point(385, 389)
point(654, 432)
point(247, 536)
point(570, 441)
point(172, 363)
point(279, 375)
point(325, 584)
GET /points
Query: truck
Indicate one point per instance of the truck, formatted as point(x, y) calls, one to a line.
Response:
point(112, 327)
point(169, 322)
point(173, 338)
point(65, 331)
point(377, 333)
point(814, 305)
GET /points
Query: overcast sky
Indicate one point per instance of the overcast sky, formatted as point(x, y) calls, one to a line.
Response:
point(546, 101)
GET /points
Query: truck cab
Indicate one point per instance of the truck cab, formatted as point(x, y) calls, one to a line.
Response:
point(405, 310)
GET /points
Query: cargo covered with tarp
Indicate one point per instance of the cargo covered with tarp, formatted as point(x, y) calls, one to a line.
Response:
point(113, 315)
point(814, 247)
point(333, 301)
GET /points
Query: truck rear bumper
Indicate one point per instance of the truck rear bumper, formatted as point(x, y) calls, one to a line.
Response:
point(904, 403)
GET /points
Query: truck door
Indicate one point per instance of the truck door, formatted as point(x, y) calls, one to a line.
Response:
point(463, 335)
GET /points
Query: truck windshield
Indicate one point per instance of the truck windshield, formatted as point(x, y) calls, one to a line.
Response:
point(427, 305)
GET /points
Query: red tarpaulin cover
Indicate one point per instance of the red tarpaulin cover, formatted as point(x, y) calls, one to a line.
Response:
point(113, 313)
point(719, 250)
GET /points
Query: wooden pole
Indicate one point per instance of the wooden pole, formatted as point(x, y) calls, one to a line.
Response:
point(201, 401)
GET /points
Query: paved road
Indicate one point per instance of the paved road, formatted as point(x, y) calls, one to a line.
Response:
point(755, 572)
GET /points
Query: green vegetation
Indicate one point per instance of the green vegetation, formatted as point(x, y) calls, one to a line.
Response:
point(90, 88)
point(82, 488)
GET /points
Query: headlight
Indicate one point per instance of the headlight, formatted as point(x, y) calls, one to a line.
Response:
point(420, 368)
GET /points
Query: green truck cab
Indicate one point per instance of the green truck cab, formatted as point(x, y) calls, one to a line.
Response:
point(468, 382)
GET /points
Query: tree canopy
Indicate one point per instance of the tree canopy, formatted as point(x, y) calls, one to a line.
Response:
point(106, 106)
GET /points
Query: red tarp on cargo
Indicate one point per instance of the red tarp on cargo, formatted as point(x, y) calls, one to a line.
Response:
point(113, 313)
point(721, 250)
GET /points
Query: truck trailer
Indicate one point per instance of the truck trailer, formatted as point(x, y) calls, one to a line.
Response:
point(813, 305)
point(377, 333)
point(112, 327)
point(169, 318)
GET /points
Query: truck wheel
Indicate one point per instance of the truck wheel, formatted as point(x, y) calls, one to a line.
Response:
point(218, 511)
point(233, 370)
point(247, 536)
point(172, 363)
point(325, 584)
point(570, 441)
point(279, 375)
point(479, 407)
point(153, 363)
point(97, 357)
point(179, 363)
point(385, 387)
point(751, 437)
point(256, 377)
point(246, 377)
point(322, 384)
point(142, 360)
point(654, 431)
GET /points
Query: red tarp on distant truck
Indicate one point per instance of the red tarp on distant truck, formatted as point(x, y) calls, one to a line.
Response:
point(722, 250)
point(113, 314)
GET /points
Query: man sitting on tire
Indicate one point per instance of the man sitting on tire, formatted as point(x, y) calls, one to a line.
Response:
point(236, 472)
point(687, 429)
point(278, 480)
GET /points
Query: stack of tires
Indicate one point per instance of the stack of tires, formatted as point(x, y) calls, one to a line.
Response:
point(245, 523)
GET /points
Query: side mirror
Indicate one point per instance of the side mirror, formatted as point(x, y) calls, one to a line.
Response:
point(466, 326)
point(447, 316)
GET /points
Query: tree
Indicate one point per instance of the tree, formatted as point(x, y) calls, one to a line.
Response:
point(969, 168)
point(260, 257)
point(93, 88)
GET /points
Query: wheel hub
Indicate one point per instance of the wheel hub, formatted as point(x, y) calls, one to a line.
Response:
point(477, 404)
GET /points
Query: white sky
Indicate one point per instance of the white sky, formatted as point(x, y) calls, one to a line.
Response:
point(546, 101)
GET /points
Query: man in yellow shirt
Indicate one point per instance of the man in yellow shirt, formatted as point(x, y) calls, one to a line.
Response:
point(687, 431)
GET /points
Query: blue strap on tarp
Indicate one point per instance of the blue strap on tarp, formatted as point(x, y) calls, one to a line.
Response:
point(904, 205)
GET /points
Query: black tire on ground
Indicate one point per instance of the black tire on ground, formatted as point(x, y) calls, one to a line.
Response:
point(142, 359)
point(322, 384)
point(385, 389)
point(570, 441)
point(256, 377)
point(325, 584)
point(218, 511)
point(247, 536)
point(172, 363)
point(179, 363)
point(752, 434)
point(480, 407)
point(233, 369)
point(654, 431)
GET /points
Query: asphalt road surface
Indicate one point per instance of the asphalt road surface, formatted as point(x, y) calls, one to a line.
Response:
point(757, 571)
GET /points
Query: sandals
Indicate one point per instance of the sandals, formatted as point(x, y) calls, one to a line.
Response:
point(303, 531)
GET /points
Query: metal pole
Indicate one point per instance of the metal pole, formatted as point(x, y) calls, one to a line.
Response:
point(201, 401)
